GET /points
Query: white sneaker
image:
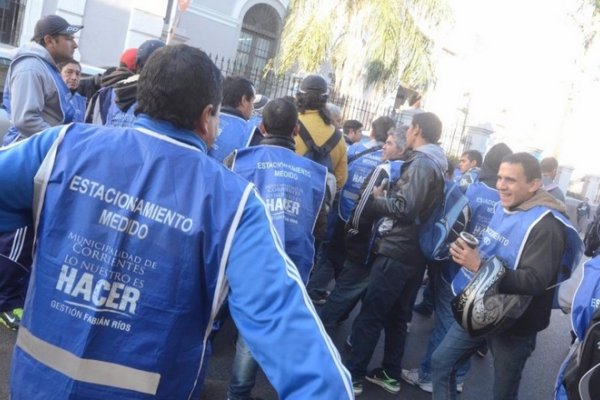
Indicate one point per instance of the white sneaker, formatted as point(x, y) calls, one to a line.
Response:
point(412, 376)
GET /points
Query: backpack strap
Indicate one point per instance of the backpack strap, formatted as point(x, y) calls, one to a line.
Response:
point(326, 147)
point(364, 153)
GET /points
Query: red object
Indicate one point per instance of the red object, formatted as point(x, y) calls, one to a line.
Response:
point(128, 58)
point(183, 5)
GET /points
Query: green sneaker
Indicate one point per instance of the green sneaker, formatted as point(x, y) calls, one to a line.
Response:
point(11, 319)
point(357, 387)
point(380, 377)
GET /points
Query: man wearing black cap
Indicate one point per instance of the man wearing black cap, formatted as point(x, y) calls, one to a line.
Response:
point(316, 121)
point(35, 94)
point(122, 109)
point(36, 97)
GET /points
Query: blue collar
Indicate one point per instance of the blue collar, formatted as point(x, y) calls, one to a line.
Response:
point(167, 128)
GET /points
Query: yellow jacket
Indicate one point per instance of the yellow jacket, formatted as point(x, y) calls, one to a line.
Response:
point(320, 132)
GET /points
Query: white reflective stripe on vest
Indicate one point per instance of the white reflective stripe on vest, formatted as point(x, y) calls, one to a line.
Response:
point(85, 370)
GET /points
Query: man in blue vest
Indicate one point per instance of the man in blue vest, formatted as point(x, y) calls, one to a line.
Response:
point(358, 234)
point(70, 71)
point(399, 264)
point(35, 94)
point(549, 171)
point(293, 190)
point(362, 159)
point(235, 132)
point(140, 236)
point(535, 241)
point(123, 103)
point(36, 98)
point(483, 196)
point(352, 130)
point(468, 168)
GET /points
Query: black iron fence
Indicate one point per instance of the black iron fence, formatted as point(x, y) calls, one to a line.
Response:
point(454, 138)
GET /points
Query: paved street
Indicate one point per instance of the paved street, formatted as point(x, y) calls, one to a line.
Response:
point(538, 378)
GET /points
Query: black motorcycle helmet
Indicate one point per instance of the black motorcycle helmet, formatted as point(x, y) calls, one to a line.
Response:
point(480, 309)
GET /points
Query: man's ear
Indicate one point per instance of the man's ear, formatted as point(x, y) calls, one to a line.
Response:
point(296, 130)
point(535, 185)
point(201, 125)
point(262, 128)
point(48, 40)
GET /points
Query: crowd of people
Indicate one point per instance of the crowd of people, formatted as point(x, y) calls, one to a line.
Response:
point(137, 220)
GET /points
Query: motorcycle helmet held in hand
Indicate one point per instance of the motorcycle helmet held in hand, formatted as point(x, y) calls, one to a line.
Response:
point(480, 309)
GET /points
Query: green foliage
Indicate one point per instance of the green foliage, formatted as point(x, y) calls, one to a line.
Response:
point(378, 43)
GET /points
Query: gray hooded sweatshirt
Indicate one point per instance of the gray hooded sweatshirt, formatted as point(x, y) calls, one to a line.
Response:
point(34, 100)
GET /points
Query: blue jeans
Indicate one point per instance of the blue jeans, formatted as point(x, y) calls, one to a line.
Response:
point(243, 374)
point(509, 352)
point(350, 286)
point(387, 305)
point(443, 320)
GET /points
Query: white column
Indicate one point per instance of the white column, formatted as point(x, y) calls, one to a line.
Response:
point(590, 188)
point(563, 177)
point(479, 136)
point(145, 22)
point(72, 11)
point(33, 12)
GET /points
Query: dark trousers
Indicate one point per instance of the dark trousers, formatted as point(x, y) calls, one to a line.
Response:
point(387, 305)
point(350, 287)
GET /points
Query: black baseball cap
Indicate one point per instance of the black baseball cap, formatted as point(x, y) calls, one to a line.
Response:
point(54, 25)
point(146, 49)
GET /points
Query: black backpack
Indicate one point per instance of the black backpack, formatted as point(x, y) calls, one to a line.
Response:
point(582, 374)
point(320, 154)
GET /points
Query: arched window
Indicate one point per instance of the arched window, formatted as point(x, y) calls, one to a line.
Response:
point(258, 38)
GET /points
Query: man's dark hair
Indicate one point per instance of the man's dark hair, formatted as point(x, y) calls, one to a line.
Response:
point(235, 88)
point(313, 101)
point(177, 84)
point(549, 164)
point(280, 117)
point(430, 124)
point(474, 155)
point(351, 124)
point(65, 63)
point(381, 126)
point(413, 99)
point(530, 164)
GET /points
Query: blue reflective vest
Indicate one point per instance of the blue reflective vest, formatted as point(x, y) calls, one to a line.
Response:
point(78, 102)
point(585, 302)
point(587, 297)
point(234, 133)
point(64, 96)
point(293, 189)
point(118, 118)
point(358, 170)
point(482, 202)
point(506, 235)
point(133, 265)
point(91, 262)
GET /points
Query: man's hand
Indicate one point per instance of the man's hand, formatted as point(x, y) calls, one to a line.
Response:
point(463, 255)
point(379, 191)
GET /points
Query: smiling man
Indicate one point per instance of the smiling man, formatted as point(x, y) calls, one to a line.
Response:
point(534, 240)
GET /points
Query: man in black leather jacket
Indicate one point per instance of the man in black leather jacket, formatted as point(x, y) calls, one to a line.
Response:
point(399, 265)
